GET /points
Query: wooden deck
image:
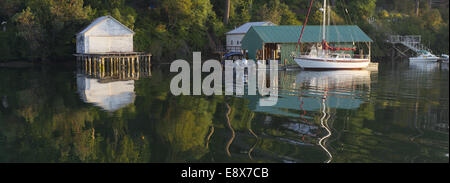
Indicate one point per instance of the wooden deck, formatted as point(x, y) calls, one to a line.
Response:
point(121, 66)
point(111, 54)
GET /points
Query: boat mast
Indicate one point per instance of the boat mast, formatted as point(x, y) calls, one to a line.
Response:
point(324, 18)
point(329, 18)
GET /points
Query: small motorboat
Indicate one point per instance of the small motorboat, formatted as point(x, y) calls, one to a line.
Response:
point(444, 58)
point(233, 56)
point(424, 56)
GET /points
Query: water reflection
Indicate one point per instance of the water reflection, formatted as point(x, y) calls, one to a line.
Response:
point(324, 123)
point(233, 133)
point(347, 80)
point(343, 89)
point(425, 66)
point(110, 96)
point(328, 90)
point(399, 114)
point(307, 104)
point(110, 90)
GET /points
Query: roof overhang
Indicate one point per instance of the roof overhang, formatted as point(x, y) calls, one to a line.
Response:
point(102, 19)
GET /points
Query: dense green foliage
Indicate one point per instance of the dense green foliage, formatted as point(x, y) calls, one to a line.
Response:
point(45, 29)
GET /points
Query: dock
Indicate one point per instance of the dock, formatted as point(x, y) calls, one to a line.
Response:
point(121, 66)
point(373, 67)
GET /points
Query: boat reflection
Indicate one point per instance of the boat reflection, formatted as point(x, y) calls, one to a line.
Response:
point(425, 66)
point(333, 89)
point(327, 80)
point(309, 98)
point(444, 66)
point(344, 90)
point(324, 124)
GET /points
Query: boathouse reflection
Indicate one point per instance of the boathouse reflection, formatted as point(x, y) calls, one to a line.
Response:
point(110, 85)
point(110, 96)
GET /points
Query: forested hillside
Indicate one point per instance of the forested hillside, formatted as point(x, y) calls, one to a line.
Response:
point(169, 29)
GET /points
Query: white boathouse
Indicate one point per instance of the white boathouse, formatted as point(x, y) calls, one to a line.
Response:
point(105, 35)
point(235, 36)
point(105, 49)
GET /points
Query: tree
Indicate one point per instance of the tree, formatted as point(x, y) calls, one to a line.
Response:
point(227, 12)
point(30, 30)
point(277, 13)
point(49, 25)
point(357, 10)
point(417, 7)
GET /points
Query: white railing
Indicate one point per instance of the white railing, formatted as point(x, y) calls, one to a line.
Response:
point(413, 42)
point(407, 38)
point(234, 49)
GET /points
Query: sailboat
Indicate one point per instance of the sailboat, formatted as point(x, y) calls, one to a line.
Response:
point(325, 57)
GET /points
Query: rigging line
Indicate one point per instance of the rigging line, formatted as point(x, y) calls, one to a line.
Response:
point(336, 29)
point(338, 34)
point(333, 19)
point(233, 133)
point(346, 15)
point(349, 18)
point(303, 27)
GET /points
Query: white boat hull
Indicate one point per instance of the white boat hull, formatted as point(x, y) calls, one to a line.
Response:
point(332, 63)
point(430, 59)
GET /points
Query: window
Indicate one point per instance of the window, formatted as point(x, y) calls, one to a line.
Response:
point(231, 42)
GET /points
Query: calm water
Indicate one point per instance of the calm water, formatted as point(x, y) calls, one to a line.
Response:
point(56, 114)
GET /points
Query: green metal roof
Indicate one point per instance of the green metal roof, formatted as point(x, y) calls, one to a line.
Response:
point(312, 33)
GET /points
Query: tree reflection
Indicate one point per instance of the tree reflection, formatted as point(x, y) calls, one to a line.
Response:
point(43, 119)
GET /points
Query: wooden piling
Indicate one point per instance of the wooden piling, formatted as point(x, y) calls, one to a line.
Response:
point(132, 68)
point(90, 65)
point(103, 67)
point(120, 66)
